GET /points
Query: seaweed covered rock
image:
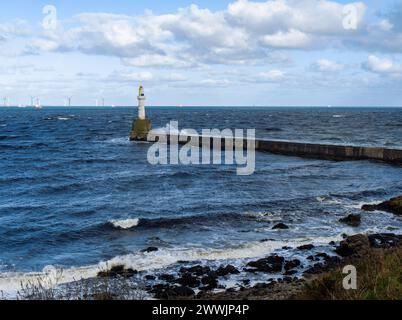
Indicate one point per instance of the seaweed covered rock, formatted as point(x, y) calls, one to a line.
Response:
point(353, 245)
point(393, 205)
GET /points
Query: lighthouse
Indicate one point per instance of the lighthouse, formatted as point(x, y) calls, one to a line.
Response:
point(141, 125)
point(141, 104)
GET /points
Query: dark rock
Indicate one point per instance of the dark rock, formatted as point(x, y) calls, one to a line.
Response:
point(281, 226)
point(117, 271)
point(290, 272)
point(322, 255)
point(197, 270)
point(385, 240)
point(224, 271)
point(189, 280)
point(261, 286)
point(271, 264)
point(306, 247)
point(246, 282)
point(353, 245)
point(393, 205)
point(286, 248)
point(292, 264)
point(162, 291)
point(150, 249)
point(311, 258)
point(353, 220)
point(211, 280)
point(149, 277)
point(332, 243)
point(315, 269)
point(184, 291)
point(167, 277)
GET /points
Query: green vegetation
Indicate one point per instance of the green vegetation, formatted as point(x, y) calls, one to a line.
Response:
point(379, 277)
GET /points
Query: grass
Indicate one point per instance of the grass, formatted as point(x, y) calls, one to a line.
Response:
point(91, 289)
point(379, 277)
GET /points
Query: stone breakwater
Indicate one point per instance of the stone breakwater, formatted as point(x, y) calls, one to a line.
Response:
point(299, 149)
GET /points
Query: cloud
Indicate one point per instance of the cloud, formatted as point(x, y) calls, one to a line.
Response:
point(294, 39)
point(308, 16)
point(325, 65)
point(272, 75)
point(18, 28)
point(238, 35)
point(382, 65)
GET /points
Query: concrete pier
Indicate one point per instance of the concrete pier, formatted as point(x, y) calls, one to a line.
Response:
point(304, 150)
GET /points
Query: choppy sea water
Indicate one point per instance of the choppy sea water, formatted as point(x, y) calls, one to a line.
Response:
point(76, 194)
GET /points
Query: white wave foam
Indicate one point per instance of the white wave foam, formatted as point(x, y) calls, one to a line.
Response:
point(169, 129)
point(338, 116)
point(165, 257)
point(125, 224)
point(63, 118)
point(10, 283)
point(263, 216)
point(119, 141)
point(328, 200)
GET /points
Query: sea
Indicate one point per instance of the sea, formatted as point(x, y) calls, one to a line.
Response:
point(76, 195)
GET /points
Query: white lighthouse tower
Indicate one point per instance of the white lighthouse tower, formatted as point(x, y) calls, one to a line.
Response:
point(141, 104)
point(141, 125)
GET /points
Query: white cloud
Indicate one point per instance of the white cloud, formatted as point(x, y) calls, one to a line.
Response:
point(272, 75)
point(18, 28)
point(382, 65)
point(192, 36)
point(325, 65)
point(294, 39)
point(309, 16)
point(159, 60)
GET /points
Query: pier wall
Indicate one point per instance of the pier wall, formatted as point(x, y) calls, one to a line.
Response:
point(299, 149)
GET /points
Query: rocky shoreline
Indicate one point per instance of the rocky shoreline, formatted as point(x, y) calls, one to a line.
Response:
point(204, 282)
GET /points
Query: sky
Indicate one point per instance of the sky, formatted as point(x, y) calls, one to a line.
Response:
point(202, 53)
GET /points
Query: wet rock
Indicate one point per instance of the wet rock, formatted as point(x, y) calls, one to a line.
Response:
point(290, 272)
point(150, 249)
point(306, 247)
point(189, 280)
point(385, 240)
point(167, 277)
point(292, 264)
point(117, 271)
point(184, 291)
point(315, 269)
point(224, 271)
point(149, 277)
point(165, 291)
point(197, 270)
point(322, 255)
point(271, 264)
point(354, 245)
point(393, 205)
point(210, 281)
point(246, 282)
point(353, 220)
point(280, 226)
